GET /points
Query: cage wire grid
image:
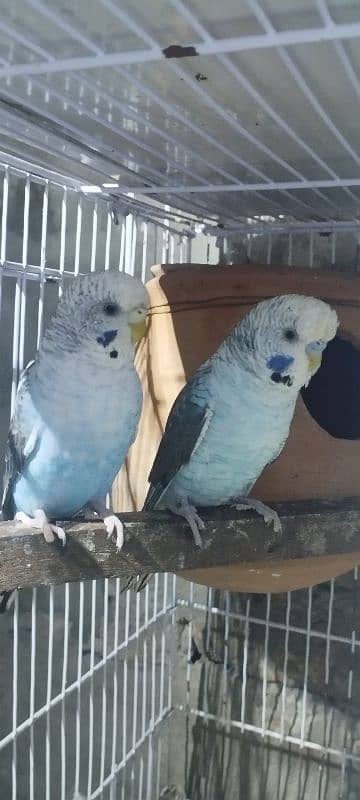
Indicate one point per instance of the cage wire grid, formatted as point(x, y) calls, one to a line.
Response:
point(99, 130)
point(92, 681)
point(50, 232)
point(103, 87)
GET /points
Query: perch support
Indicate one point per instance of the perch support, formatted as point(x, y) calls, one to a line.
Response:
point(313, 533)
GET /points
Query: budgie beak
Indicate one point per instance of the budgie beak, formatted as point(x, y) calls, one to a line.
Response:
point(314, 351)
point(137, 330)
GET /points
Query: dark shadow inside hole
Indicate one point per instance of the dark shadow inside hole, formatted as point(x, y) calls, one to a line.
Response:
point(333, 395)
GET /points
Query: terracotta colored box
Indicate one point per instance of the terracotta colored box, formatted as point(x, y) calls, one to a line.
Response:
point(192, 308)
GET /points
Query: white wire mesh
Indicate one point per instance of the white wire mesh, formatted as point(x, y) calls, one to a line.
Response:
point(268, 85)
point(92, 682)
point(84, 700)
point(84, 670)
point(98, 692)
point(281, 670)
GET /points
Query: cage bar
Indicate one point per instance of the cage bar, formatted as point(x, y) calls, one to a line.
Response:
point(117, 179)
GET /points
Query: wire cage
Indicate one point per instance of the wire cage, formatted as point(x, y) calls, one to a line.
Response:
point(100, 690)
point(74, 650)
point(129, 139)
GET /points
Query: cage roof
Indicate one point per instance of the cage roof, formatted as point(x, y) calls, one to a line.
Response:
point(230, 111)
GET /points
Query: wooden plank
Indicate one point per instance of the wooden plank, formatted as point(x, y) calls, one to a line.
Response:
point(161, 542)
point(250, 283)
point(282, 575)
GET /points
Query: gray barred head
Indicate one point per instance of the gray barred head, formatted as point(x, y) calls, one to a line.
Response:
point(102, 314)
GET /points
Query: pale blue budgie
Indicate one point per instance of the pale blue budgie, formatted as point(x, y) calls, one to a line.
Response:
point(77, 407)
point(233, 416)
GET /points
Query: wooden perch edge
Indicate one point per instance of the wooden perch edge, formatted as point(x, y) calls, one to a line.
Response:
point(161, 542)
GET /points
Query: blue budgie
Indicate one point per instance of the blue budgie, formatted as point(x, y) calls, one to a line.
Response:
point(233, 416)
point(77, 407)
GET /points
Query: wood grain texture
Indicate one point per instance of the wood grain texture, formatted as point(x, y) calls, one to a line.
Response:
point(161, 542)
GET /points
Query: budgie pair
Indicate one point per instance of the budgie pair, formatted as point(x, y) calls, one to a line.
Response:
point(79, 402)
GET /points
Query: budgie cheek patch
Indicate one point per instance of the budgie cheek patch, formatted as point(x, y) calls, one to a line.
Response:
point(279, 363)
point(106, 338)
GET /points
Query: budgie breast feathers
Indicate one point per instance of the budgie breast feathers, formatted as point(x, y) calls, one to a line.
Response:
point(78, 443)
point(245, 432)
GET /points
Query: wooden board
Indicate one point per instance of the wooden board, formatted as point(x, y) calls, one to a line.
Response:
point(161, 542)
point(280, 576)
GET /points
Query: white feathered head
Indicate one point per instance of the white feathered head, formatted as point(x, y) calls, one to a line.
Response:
point(282, 339)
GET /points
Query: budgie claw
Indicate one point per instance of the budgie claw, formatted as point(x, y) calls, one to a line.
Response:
point(269, 515)
point(136, 583)
point(196, 525)
point(184, 509)
point(130, 584)
point(59, 532)
point(112, 523)
point(40, 521)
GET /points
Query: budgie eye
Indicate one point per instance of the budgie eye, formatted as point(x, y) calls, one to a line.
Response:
point(110, 309)
point(290, 335)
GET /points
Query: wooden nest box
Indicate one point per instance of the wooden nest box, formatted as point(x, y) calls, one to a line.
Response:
point(193, 307)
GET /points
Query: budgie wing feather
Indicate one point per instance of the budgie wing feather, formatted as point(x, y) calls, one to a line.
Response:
point(21, 443)
point(186, 426)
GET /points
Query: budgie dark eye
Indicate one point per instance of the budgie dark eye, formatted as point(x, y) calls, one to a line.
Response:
point(110, 309)
point(290, 335)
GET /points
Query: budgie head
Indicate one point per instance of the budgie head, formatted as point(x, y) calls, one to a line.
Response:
point(282, 339)
point(102, 314)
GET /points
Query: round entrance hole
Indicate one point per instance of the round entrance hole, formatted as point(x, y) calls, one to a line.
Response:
point(333, 395)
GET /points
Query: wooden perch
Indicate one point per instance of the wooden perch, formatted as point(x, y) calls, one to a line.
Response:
point(161, 542)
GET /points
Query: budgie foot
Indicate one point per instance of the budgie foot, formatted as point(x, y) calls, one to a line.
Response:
point(270, 516)
point(40, 521)
point(111, 521)
point(112, 525)
point(184, 509)
point(136, 583)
